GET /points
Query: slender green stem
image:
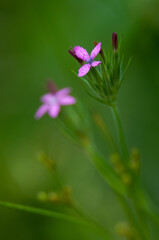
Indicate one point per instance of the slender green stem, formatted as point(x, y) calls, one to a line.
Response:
point(60, 216)
point(125, 153)
point(42, 212)
point(120, 132)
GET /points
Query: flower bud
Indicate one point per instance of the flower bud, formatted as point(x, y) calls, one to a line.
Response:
point(51, 86)
point(115, 41)
point(101, 52)
point(73, 54)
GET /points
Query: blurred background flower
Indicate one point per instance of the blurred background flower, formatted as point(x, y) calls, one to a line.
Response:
point(35, 36)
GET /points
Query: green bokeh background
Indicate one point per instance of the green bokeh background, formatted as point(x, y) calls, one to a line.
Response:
point(35, 37)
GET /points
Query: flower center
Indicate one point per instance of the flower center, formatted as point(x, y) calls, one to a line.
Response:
point(53, 100)
point(90, 61)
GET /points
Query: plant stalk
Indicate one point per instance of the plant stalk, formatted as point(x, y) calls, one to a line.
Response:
point(120, 131)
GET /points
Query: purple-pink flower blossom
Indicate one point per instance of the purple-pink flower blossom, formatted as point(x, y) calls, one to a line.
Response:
point(52, 102)
point(89, 59)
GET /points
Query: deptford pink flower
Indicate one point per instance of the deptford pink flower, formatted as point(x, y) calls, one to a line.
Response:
point(52, 102)
point(89, 59)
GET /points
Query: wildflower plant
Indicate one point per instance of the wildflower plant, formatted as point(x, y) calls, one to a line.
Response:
point(102, 80)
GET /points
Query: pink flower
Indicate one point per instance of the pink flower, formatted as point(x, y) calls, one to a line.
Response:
point(52, 102)
point(89, 59)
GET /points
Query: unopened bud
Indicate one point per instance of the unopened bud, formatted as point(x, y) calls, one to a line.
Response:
point(51, 86)
point(115, 41)
point(73, 54)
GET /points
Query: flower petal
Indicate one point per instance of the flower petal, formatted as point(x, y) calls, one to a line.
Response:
point(54, 110)
point(95, 51)
point(95, 63)
point(41, 111)
point(68, 100)
point(84, 70)
point(63, 92)
point(82, 53)
point(47, 98)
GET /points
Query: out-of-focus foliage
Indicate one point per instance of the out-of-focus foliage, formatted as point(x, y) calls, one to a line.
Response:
point(35, 36)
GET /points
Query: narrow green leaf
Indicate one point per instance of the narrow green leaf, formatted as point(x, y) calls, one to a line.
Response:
point(47, 213)
point(43, 212)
